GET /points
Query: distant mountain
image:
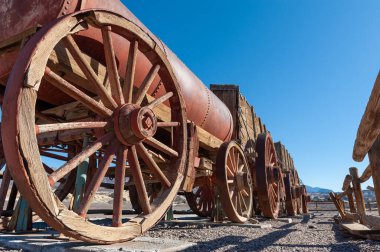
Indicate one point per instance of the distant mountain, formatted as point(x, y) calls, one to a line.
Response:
point(311, 189)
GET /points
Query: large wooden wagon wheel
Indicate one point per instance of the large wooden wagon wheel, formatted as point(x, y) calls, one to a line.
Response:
point(234, 182)
point(125, 122)
point(201, 199)
point(268, 177)
point(290, 201)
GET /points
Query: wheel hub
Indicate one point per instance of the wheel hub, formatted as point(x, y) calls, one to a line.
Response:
point(242, 180)
point(133, 124)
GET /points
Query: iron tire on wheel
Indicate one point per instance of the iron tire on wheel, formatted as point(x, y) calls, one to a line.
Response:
point(20, 130)
point(234, 182)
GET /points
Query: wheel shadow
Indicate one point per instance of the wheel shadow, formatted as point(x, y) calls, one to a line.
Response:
point(240, 243)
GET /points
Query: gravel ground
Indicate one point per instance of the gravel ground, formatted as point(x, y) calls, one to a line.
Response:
point(318, 233)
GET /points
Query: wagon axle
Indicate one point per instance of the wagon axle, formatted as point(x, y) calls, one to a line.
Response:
point(134, 124)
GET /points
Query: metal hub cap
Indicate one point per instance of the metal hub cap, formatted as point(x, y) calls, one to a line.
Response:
point(133, 124)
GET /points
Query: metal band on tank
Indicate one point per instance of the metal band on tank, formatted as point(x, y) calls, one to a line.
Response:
point(208, 105)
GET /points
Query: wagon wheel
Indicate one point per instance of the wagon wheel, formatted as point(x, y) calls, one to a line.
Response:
point(123, 123)
point(201, 199)
point(290, 201)
point(152, 191)
point(268, 177)
point(234, 182)
point(298, 197)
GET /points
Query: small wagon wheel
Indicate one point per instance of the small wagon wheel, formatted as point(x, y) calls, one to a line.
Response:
point(122, 119)
point(290, 201)
point(234, 182)
point(268, 177)
point(201, 199)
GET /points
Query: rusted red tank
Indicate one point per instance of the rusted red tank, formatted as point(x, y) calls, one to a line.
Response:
point(203, 107)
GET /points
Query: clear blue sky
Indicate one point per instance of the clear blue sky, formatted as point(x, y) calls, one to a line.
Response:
point(307, 67)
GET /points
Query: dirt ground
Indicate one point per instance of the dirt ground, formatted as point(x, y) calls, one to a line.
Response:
point(315, 232)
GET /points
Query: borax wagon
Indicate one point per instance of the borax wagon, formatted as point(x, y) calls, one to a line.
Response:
point(87, 84)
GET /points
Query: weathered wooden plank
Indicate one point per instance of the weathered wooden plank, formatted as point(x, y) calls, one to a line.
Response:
point(346, 183)
point(337, 204)
point(362, 231)
point(374, 159)
point(366, 174)
point(369, 127)
point(357, 192)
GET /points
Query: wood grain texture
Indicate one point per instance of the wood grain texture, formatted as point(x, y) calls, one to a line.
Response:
point(369, 127)
point(374, 159)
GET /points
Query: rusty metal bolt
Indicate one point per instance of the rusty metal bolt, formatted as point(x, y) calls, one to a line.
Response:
point(147, 122)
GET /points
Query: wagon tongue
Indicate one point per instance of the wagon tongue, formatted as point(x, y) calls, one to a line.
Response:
point(134, 123)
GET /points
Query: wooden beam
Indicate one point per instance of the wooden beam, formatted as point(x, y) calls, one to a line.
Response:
point(374, 159)
point(346, 183)
point(369, 127)
point(366, 174)
point(358, 192)
point(337, 204)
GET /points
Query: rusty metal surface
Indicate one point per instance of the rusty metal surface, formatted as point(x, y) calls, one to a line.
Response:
point(20, 15)
point(203, 107)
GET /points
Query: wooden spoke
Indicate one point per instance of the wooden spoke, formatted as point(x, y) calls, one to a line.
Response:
point(234, 197)
point(146, 84)
point(243, 201)
point(78, 159)
point(229, 171)
point(230, 158)
point(119, 187)
point(130, 72)
point(68, 126)
point(160, 100)
point(112, 66)
point(97, 179)
point(237, 162)
point(238, 205)
point(88, 71)
point(245, 193)
point(160, 146)
point(74, 92)
point(148, 160)
point(168, 124)
point(139, 181)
